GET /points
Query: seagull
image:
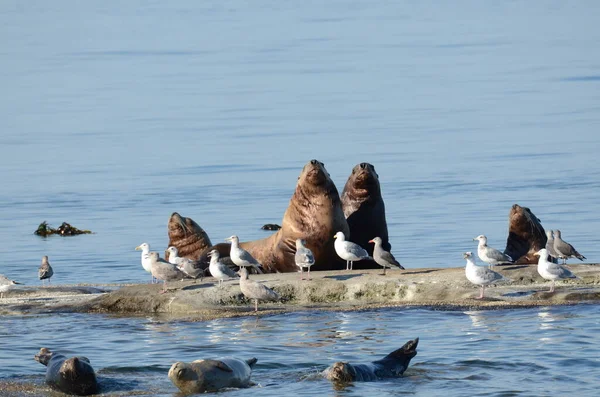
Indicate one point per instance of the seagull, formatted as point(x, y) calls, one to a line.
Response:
point(550, 244)
point(145, 248)
point(551, 271)
point(6, 284)
point(218, 269)
point(490, 255)
point(480, 275)
point(564, 249)
point(304, 257)
point(240, 257)
point(253, 290)
point(163, 270)
point(192, 269)
point(45, 270)
point(349, 251)
point(383, 257)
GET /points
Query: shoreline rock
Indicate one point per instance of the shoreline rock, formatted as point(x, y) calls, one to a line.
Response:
point(439, 288)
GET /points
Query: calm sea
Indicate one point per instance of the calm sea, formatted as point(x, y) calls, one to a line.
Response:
point(115, 114)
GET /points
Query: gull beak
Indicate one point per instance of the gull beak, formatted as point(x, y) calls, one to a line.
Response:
point(536, 254)
point(371, 241)
point(335, 236)
point(475, 239)
point(138, 248)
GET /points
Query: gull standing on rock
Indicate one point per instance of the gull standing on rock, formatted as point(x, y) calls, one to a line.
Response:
point(551, 271)
point(253, 290)
point(163, 270)
point(218, 269)
point(550, 244)
point(192, 269)
point(480, 275)
point(304, 257)
point(490, 255)
point(5, 285)
point(349, 251)
point(564, 249)
point(383, 257)
point(240, 256)
point(145, 248)
point(45, 270)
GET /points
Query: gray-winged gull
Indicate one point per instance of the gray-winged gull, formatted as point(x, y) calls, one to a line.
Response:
point(145, 258)
point(349, 251)
point(218, 269)
point(564, 249)
point(6, 284)
point(480, 275)
point(490, 255)
point(303, 257)
point(192, 269)
point(45, 271)
point(253, 290)
point(550, 244)
point(383, 257)
point(551, 271)
point(240, 257)
point(163, 270)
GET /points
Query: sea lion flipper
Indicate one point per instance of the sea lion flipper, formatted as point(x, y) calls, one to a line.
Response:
point(222, 366)
point(251, 361)
point(408, 348)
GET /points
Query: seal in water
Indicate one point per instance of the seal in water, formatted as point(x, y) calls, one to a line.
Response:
point(72, 375)
point(526, 236)
point(391, 366)
point(314, 214)
point(365, 211)
point(211, 375)
point(187, 236)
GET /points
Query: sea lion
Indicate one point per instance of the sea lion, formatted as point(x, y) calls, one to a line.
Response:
point(365, 211)
point(72, 375)
point(314, 214)
point(187, 236)
point(211, 375)
point(526, 236)
point(391, 366)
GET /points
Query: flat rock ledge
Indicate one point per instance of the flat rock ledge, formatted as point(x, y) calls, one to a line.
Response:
point(440, 288)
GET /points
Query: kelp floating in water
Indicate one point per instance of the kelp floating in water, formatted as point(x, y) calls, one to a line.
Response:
point(65, 229)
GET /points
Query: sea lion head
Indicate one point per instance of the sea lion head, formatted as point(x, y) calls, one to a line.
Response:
point(44, 356)
point(186, 378)
point(526, 234)
point(363, 181)
point(187, 236)
point(315, 176)
point(341, 372)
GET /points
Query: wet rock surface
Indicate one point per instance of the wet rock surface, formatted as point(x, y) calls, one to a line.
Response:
point(443, 288)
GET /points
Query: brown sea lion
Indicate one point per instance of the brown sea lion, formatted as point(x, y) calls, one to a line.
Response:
point(365, 211)
point(314, 214)
point(203, 376)
point(73, 375)
point(187, 236)
point(526, 236)
point(391, 366)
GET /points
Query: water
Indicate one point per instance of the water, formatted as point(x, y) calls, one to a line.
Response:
point(115, 114)
point(524, 352)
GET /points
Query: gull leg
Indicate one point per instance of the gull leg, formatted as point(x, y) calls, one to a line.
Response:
point(309, 273)
point(481, 294)
point(347, 265)
point(255, 305)
point(164, 288)
point(301, 273)
point(384, 268)
point(552, 287)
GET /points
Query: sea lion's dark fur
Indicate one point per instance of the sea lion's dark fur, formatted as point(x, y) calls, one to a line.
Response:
point(365, 211)
point(187, 236)
point(526, 236)
point(73, 375)
point(391, 366)
point(314, 214)
point(210, 375)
